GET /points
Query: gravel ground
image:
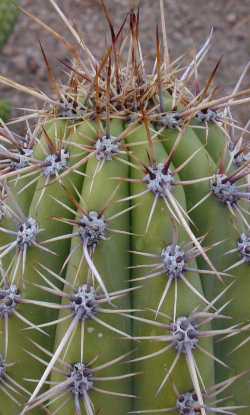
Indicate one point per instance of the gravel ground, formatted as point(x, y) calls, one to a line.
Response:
point(188, 24)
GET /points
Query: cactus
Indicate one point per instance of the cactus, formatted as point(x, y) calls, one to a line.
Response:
point(124, 241)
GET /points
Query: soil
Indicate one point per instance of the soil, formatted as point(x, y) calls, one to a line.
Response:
point(188, 25)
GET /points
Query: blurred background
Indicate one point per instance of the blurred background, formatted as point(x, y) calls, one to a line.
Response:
point(188, 25)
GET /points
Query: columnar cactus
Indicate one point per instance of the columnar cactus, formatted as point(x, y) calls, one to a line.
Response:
point(125, 244)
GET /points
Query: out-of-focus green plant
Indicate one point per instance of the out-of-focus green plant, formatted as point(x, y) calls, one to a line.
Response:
point(8, 17)
point(5, 110)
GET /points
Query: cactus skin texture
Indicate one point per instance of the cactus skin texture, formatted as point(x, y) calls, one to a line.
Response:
point(124, 238)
